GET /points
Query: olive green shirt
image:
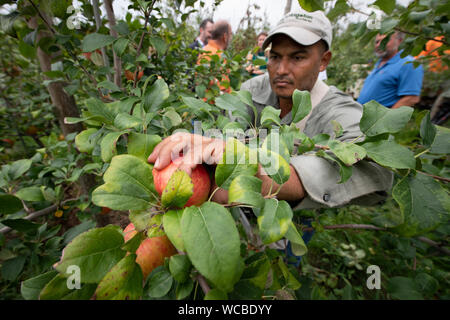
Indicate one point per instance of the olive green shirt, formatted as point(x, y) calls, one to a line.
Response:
point(369, 183)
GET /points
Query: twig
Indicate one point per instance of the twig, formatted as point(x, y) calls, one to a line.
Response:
point(39, 213)
point(434, 244)
point(350, 226)
point(434, 176)
point(203, 284)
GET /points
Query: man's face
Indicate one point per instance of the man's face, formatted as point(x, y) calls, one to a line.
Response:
point(391, 46)
point(205, 33)
point(293, 66)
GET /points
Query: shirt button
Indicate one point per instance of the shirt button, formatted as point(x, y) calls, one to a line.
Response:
point(326, 197)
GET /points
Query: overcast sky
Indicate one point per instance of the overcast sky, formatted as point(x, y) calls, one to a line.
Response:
point(234, 10)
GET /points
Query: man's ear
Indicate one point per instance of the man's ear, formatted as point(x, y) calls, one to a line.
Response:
point(326, 57)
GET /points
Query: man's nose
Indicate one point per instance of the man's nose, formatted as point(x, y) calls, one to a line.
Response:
point(283, 66)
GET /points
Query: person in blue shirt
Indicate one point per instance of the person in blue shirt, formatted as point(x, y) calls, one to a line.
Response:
point(394, 82)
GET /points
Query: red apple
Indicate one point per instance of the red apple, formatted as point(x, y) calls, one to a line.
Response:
point(152, 251)
point(199, 177)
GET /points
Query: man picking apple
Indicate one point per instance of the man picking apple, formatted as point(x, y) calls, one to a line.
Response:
point(299, 50)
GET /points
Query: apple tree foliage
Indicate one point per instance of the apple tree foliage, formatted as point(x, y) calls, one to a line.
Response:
point(124, 121)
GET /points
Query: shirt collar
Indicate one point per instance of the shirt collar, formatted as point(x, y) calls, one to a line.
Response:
point(200, 42)
point(394, 59)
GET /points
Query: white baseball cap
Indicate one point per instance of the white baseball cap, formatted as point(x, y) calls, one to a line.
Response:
point(306, 28)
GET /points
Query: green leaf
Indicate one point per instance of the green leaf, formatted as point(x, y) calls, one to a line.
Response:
point(257, 271)
point(178, 190)
point(120, 45)
point(418, 16)
point(246, 189)
point(100, 111)
point(172, 227)
point(403, 288)
point(95, 252)
point(171, 117)
point(11, 268)
point(128, 185)
point(348, 153)
point(274, 165)
point(18, 168)
point(21, 225)
point(159, 283)
point(297, 244)
point(57, 289)
point(84, 142)
point(270, 115)
point(440, 144)
point(184, 289)
point(30, 194)
point(377, 119)
point(108, 85)
point(126, 121)
point(122, 282)
point(237, 159)
point(427, 130)
point(108, 145)
point(337, 128)
point(390, 154)
point(156, 95)
point(9, 204)
point(291, 281)
point(216, 294)
point(180, 266)
point(211, 229)
point(386, 5)
point(246, 97)
point(274, 220)
point(311, 5)
point(95, 41)
point(233, 104)
point(344, 171)
point(142, 145)
point(159, 44)
point(30, 289)
point(133, 244)
point(426, 283)
point(301, 105)
point(423, 202)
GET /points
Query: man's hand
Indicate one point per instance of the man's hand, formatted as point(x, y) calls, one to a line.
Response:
point(195, 149)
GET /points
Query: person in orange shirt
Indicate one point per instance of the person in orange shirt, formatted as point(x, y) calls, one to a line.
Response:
point(431, 49)
point(220, 39)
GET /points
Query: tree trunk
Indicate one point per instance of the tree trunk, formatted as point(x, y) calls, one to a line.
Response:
point(117, 61)
point(287, 9)
point(65, 105)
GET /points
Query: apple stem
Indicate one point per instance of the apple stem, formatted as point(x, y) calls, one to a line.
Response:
point(212, 194)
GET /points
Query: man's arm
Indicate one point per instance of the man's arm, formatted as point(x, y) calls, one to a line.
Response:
point(408, 101)
point(198, 149)
point(291, 190)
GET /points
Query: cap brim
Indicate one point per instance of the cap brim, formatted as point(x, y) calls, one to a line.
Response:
point(301, 36)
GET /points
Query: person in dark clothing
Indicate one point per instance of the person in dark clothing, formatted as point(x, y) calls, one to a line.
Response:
point(206, 28)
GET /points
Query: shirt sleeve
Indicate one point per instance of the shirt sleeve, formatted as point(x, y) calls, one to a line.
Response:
point(410, 80)
point(368, 184)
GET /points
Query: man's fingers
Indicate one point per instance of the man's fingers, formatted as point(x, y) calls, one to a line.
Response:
point(167, 150)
